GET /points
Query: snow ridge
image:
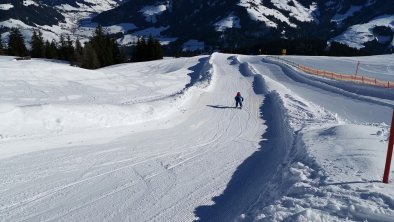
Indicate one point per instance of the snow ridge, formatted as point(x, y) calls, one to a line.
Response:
point(351, 90)
point(26, 119)
point(303, 188)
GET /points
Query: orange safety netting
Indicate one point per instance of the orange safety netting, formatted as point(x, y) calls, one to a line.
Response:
point(338, 76)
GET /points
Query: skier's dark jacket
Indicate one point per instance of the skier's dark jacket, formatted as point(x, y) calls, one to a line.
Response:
point(239, 98)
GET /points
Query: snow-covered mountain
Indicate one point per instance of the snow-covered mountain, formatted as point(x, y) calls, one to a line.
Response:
point(52, 17)
point(237, 23)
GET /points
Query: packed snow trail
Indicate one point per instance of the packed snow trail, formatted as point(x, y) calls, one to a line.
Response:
point(161, 173)
point(183, 152)
point(348, 106)
point(333, 171)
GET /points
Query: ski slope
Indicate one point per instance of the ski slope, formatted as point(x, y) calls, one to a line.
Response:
point(379, 66)
point(162, 141)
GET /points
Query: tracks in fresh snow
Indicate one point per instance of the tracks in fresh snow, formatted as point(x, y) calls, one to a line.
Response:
point(208, 160)
point(161, 173)
point(253, 176)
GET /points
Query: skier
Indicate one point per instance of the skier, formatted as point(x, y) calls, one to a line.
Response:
point(238, 100)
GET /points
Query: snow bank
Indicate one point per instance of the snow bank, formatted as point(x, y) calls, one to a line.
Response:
point(331, 171)
point(45, 97)
point(378, 66)
point(357, 91)
point(44, 119)
point(336, 180)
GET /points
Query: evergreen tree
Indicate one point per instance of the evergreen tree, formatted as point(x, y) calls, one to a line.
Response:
point(99, 43)
point(118, 54)
point(1, 46)
point(90, 59)
point(16, 43)
point(101, 50)
point(137, 53)
point(46, 49)
point(62, 49)
point(69, 49)
point(37, 45)
point(78, 52)
point(150, 49)
point(78, 47)
point(146, 51)
point(51, 50)
point(158, 51)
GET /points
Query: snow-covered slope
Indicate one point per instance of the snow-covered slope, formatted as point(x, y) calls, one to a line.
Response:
point(380, 66)
point(52, 17)
point(292, 9)
point(103, 97)
point(162, 141)
point(358, 35)
point(218, 22)
point(359, 24)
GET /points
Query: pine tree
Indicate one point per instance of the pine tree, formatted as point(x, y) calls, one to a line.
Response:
point(78, 47)
point(46, 49)
point(69, 49)
point(158, 50)
point(1, 46)
point(101, 50)
point(146, 51)
point(62, 49)
point(51, 50)
point(98, 43)
point(78, 52)
point(16, 43)
point(150, 49)
point(143, 50)
point(107, 58)
point(118, 55)
point(137, 51)
point(37, 45)
point(90, 59)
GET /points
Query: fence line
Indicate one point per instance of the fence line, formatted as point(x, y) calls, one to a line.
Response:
point(337, 76)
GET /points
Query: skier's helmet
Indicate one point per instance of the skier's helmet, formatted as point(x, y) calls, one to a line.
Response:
point(238, 93)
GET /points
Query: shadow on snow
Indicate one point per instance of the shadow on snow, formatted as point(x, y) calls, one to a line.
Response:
point(251, 178)
point(221, 107)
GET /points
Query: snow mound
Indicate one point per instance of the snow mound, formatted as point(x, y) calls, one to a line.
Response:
point(48, 97)
point(43, 119)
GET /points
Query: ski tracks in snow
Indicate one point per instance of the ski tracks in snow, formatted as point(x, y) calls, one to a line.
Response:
point(155, 175)
point(208, 160)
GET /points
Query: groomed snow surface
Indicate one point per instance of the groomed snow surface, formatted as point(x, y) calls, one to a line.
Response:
point(162, 141)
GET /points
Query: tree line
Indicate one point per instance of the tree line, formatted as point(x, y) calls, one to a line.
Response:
point(101, 50)
point(147, 50)
point(300, 46)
